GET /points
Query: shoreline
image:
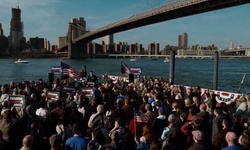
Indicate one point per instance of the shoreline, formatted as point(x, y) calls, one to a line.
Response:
point(63, 56)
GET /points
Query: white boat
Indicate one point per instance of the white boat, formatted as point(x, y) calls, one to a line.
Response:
point(19, 61)
point(166, 60)
point(133, 59)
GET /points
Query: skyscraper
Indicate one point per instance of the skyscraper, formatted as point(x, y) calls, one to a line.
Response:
point(16, 28)
point(183, 41)
point(1, 30)
point(109, 39)
point(231, 45)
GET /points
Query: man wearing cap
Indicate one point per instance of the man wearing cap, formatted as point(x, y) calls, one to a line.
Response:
point(198, 144)
point(159, 124)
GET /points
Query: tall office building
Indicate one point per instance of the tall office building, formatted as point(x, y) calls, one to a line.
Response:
point(183, 41)
point(153, 48)
point(62, 41)
point(231, 45)
point(109, 39)
point(1, 30)
point(16, 28)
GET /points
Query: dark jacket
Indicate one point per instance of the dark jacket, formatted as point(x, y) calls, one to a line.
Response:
point(158, 126)
point(199, 146)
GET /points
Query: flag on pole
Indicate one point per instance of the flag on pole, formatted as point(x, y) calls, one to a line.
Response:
point(69, 70)
point(124, 68)
point(140, 117)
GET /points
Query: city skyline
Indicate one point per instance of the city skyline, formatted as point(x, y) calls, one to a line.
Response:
point(50, 20)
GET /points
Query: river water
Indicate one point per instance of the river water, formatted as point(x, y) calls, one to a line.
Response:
point(190, 72)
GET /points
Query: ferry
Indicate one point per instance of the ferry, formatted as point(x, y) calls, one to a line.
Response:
point(133, 59)
point(19, 61)
point(166, 60)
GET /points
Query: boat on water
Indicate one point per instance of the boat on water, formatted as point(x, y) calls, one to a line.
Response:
point(133, 59)
point(166, 60)
point(20, 61)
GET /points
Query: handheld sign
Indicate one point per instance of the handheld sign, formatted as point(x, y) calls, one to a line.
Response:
point(88, 92)
point(17, 101)
point(52, 95)
point(136, 71)
point(67, 90)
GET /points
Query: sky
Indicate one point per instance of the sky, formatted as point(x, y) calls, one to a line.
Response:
point(49, 19)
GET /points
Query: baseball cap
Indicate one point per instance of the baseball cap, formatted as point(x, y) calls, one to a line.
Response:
point(198, 135)
point(161, 109)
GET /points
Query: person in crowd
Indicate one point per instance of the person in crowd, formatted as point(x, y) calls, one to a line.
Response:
point(27, 142)
point(155, 99)
point(159, 124)
point(199, 143)
point(242, 110)
point(238, 125)
point(146, 139)
point(220, 141)
point(55, 142)
point(128, 110)
point(232, 141)
point(171, 124)
point(174, 140)
point(150, 114)
point(78, 141)
point(98, 121)
point(244, 140)
point(92, 77)
point(217, 123)
point(39, 141)
point(2, 141)
point(9, 129)
point(118, 137)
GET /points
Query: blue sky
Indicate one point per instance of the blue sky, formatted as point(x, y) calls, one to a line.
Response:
point(49, 18)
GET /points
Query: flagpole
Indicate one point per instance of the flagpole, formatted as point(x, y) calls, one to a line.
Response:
point(134, 123)
point(242, 81)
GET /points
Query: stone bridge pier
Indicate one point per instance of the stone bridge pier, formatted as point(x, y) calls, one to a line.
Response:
point(77, 51)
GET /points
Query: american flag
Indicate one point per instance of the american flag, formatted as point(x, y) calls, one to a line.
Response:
point(124, 68)
point(69, 70)
point(140, 117)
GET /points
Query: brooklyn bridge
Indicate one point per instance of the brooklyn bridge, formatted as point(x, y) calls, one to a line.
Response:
point(173, 9)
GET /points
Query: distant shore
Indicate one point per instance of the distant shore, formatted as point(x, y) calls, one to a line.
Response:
point(102, 56)
point(30, 55)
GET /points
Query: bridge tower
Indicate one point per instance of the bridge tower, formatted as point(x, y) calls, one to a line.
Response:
point(75, 50)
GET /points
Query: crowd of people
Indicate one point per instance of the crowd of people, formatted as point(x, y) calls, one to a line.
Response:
point(147, 114)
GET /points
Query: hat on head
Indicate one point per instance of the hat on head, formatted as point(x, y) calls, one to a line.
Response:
point(119, 100)
point(161, 110)
point(198, 135)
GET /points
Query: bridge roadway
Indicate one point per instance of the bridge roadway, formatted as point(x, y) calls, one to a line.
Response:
point(176, 56)
point(165, 12)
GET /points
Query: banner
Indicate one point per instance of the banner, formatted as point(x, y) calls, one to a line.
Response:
point(56, 70)
point(67, 90)
point(135, 71)
point(52, 95)
point(226, 97)
point(88, 92)
point(17, 101)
